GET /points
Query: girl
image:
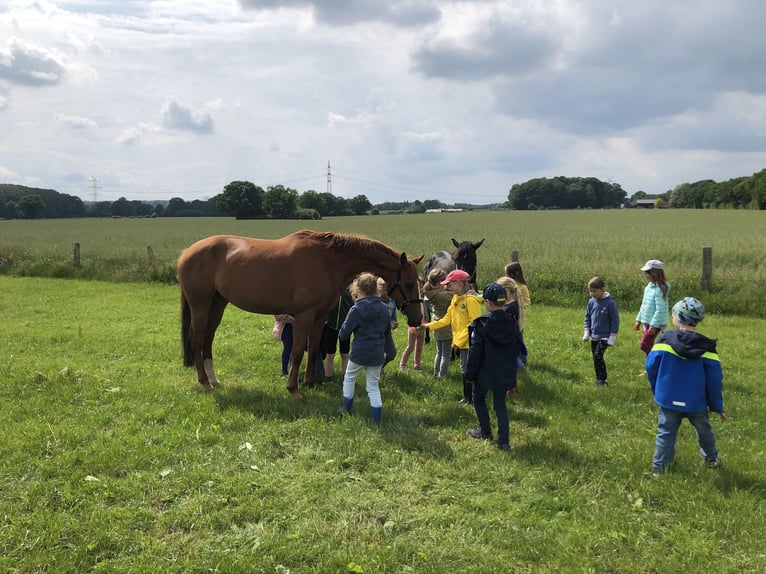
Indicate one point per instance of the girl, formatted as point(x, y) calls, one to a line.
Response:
point(415, 339)
point(513, 270)
point(463, 309)
point(516, 311)
point(370, 322)
point(439, 299)
point(653, 314)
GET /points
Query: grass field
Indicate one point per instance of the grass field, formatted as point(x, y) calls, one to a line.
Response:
point(113, 460)
point(559, 250)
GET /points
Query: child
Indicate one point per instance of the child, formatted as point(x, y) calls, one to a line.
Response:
point(491, 364)
point(602, 322)
point(370, 322)
point(516, 311)
point(653, 314)
point(513, 270)
point(329, 344)
point(415, 340)
point(439, 299)
point(685, 376)
point(391, 305)
point(283, 331)
point(463, 309)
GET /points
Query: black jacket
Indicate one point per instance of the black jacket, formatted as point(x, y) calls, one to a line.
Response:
point(495, 341)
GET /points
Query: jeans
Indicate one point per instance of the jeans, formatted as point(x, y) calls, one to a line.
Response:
point(443, 357)
point(482, 413)
point(371, 373)
point(667, 430)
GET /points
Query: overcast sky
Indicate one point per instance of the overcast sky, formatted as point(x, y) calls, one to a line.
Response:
point(407, 99)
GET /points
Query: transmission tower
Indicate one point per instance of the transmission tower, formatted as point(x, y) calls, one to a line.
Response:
point(94, 187)
point(329, 178)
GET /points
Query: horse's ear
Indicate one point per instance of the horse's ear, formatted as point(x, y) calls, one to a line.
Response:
point(417, 260)
point(477, 245)
point(455, 243)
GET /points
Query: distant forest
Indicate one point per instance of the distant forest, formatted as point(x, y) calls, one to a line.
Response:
point(245, 200)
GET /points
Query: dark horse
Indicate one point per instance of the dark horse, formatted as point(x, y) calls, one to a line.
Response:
point(463, 258)
point(301, 274)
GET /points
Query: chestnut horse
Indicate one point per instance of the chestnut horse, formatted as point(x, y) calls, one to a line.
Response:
point(301, 274)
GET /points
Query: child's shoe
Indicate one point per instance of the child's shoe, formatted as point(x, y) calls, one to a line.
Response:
point(476, 433)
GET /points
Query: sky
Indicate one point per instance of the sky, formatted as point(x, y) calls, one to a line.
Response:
point(404, 99)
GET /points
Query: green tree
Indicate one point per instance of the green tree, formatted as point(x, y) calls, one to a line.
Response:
point(242, 199)
point(359, 205)
point(31, 206)
point(280, 202)
point(310, 199)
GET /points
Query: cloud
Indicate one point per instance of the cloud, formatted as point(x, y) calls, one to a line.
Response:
point(406, 13)
point(178, 117)
point(28, 64)
point(76, 121)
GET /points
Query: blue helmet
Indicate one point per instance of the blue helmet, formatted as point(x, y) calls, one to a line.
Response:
point(689, 311)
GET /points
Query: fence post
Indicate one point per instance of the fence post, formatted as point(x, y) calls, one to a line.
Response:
point(707, 268)
point(514, 256)
point(150, 252)
point(77, 255)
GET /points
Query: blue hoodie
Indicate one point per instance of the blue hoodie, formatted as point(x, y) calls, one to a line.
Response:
point(684, 373)
point(495, 341)
point(370, 322)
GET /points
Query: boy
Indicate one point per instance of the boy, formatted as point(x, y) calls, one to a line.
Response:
point(602, 321)
point(491, 364)
point(686, 379)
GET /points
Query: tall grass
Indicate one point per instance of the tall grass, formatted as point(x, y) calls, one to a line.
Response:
point(559, 250)
point(113, 460)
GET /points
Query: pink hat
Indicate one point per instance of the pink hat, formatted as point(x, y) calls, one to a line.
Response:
point(456, 275)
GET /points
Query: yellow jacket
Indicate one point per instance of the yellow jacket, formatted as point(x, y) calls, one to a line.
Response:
point(463, 309)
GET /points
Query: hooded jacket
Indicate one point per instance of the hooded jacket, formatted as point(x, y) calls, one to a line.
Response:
point(654, 307)
point(684, 372)
point(495, 341)
point(461, 311)
point(370, 322)
point(602, 321)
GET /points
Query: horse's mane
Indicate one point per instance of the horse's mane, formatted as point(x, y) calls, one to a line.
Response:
point(355, 243)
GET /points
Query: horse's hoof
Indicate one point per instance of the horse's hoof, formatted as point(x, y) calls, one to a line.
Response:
point(206, 387)
point(296, 394)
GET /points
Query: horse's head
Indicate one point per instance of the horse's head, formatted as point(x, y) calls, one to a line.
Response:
point(465, 257)
point(405, 291)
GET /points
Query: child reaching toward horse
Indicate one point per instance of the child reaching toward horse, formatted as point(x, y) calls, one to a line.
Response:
point(415, 340)
point(369, 320)
point(463, 309)
point(438, 299)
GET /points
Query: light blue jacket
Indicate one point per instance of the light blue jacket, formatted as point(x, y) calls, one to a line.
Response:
point(654, 308)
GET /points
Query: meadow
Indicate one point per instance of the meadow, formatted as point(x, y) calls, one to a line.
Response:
point(113, 460)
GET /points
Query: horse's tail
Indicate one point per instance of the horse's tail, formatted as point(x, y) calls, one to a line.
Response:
point(186, 331)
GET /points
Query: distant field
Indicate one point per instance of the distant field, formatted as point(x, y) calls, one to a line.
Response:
point(559, 250)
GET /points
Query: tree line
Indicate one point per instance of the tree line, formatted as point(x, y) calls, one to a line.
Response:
point(245, 200)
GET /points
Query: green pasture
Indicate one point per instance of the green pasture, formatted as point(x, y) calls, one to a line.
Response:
point(559, 250)
point(113, 460)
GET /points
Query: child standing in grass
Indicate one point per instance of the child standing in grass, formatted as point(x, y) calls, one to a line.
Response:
point(369, 320)
point(415, 339)
point(516, 311)
point(602, 322)
point(514, 271)
point(491, 364)
point(685, 376)
point(463, 309)
point(439, 299)
point(391, 305)
point(283, 331)
point(653, 314)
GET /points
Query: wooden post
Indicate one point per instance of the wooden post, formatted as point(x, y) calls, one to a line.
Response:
point(707, 268)
point(514, 256)
point(77, 255)
point(150, 252)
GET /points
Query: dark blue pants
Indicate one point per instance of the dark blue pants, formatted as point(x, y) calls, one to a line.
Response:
point(501, 412)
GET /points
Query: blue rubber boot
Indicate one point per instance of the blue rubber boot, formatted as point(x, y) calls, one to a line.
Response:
point(377, 414)
point(348, 403)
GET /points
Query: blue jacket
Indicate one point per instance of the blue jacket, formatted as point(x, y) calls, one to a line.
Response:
point(601, 318)
point(654, 307)
point(684, 373)
point(495, 341)
point(370, 322)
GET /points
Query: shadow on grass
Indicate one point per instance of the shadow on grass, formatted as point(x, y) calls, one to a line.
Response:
point(554, 456)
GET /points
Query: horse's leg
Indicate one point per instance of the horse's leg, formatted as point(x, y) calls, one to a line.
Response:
point(215, 315)
point(199, 316)
point(315, 336)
